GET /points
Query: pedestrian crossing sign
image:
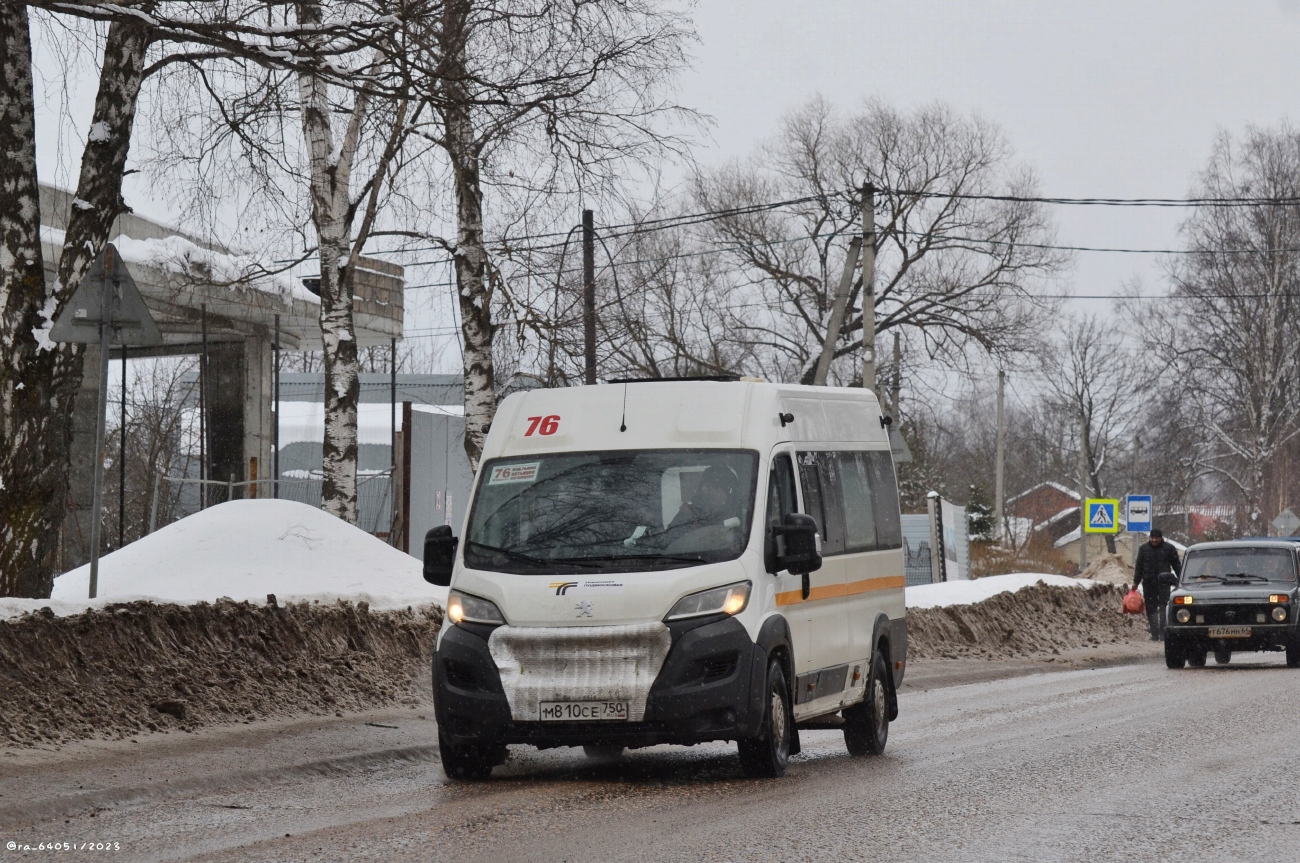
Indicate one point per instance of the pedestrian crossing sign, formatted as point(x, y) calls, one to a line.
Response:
point(1101, 515)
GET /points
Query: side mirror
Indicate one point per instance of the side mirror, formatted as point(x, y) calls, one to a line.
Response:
point(439, 555)
point(1168, 579)
point(798, 547)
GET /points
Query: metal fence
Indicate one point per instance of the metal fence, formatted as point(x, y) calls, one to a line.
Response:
point(374, 497)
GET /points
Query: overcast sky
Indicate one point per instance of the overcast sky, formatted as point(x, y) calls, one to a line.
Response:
point(1100, 98)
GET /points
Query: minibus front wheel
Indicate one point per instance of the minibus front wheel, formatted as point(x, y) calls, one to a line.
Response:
point(768, 753)
point(468, 760)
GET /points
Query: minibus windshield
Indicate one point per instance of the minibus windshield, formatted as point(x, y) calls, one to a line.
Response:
point(617, 511)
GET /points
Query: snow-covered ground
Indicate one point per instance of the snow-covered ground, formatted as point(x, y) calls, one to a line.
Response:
point(971, 592)
point(246, 549)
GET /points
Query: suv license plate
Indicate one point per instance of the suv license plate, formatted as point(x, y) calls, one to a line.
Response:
point(583, 711)
point(1229, 632)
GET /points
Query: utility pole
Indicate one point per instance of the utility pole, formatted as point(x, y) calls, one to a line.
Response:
point(869, 286)
point(121, 462)
point(999, 487)
point(107, 311)
point(1083, 493)
point(837, 313)
point(275, 436)
point(589, 293)
point(896, 382)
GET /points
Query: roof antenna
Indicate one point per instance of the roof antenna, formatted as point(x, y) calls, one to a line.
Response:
point(623, 423)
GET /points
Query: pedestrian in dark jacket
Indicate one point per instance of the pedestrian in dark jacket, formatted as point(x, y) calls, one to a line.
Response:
point(1154, 557)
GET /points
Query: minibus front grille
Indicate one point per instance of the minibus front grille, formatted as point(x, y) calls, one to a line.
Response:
point(578, 663)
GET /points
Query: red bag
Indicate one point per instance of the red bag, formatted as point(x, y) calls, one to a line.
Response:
point(1133, 603)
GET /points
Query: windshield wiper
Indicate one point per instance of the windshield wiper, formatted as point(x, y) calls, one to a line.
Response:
point(1245, 575)
point(1219, 578)
point(614, 558)
point(519, 555)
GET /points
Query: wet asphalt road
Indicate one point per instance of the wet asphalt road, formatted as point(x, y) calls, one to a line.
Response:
point(1132, 763)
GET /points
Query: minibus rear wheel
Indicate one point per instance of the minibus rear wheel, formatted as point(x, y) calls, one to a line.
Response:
point(768, 753)
point(866, 724)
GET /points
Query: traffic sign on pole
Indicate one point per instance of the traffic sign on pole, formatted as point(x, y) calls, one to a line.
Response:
point(105, 308)
point(1101, 515)
point(1138, 509)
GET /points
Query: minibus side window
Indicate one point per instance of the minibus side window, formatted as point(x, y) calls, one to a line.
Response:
point(781, 502)
point(855, 492)
point(884, 495)
point(821, 498)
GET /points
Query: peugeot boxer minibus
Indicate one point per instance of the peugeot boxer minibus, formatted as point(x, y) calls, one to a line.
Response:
point(652, 562)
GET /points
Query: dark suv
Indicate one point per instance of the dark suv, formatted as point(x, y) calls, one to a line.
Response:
point(1233, 596)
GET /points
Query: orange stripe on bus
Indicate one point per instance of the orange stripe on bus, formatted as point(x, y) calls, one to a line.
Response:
point(832, 591)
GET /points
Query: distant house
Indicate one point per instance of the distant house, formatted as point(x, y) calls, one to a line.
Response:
point(1046, 502)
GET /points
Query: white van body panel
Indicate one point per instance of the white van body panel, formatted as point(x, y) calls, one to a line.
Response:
point(834, 626)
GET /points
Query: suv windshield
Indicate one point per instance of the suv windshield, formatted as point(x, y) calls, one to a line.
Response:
point(1239, 565)
point(620, 510)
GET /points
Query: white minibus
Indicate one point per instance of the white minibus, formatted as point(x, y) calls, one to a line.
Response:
point(673, 561)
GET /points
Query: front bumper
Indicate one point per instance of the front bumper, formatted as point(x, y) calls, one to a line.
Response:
point(1272, 636)
point(709, 688)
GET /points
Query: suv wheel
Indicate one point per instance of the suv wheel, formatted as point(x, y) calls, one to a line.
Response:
point(1293, 655)
point(1222, 655)
point(1174, 655)
point(1196, 655)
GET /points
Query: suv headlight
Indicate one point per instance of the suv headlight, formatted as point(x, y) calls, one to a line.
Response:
point(1279, 613)
point(1182, 615)
point(463, 608)
point(730, 599)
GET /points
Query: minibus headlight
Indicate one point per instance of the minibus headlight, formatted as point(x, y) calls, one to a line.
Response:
point(731, 599)
point(463, 608)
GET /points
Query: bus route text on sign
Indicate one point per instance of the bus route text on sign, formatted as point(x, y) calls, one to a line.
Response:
point(1101, 515)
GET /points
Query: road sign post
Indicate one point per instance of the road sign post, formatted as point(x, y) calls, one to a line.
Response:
point(1101, 516)
point(106, 309)
point(1138, 513)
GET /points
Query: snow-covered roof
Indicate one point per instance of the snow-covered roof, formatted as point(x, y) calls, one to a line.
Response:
point(1069, 492)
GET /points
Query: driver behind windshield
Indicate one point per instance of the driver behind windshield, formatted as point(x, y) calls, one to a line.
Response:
point(713, 503)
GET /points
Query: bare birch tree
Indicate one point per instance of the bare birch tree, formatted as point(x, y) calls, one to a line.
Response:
point(1232, 331)
point(540, 94)
point(953, 269)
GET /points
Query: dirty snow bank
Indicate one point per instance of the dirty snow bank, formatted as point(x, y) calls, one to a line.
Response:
point(135, 667)
point(980, 589)
point(1036, 621)
point(244, 550)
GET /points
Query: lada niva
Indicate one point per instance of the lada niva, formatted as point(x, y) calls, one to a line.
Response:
point(1234, 596)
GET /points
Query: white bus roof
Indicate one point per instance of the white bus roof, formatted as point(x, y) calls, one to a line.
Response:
point(682, 414)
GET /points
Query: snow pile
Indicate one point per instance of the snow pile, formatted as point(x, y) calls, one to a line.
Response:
point(137, 667)
point(1109, 568)
point(980, 589)
point(245, 550)
point(1038, 621)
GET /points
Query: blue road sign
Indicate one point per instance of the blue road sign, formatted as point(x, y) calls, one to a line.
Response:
point(1138, 509)
point(1101, 515)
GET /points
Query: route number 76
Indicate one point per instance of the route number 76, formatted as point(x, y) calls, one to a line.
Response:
point(547, 425)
